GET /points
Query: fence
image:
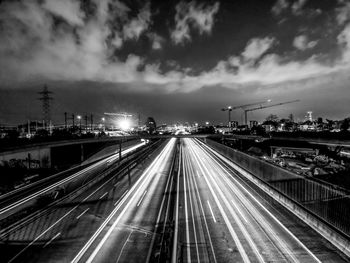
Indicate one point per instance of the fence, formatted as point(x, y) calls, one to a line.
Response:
point(329, 203)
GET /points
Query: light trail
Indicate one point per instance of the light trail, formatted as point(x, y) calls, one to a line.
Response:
point(63, 181)
point(176, 229)
point(234, 166)
point(223, 213)
point(211, 211)
point(188, 250)
point(128, 199)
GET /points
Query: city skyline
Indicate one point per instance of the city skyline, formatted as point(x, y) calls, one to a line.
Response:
point(178, 62)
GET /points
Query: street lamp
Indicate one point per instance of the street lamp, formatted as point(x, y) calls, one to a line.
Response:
point(207, 123)
point(79, 118)
point(229, 109)
point(104, 125)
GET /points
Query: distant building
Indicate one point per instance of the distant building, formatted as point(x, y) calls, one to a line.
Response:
point(308, 116)
point(234, 124)
point(253, 124)
point(151, 125)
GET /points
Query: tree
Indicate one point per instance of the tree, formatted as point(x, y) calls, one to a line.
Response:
point(291, 117)
point(345, 124)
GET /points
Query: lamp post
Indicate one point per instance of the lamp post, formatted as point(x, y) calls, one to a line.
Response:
point(228, 109)
point(104, 125)
point(79, 118)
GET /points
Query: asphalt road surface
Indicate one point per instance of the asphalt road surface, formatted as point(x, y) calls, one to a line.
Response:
point(186, 203)
point(222, 218)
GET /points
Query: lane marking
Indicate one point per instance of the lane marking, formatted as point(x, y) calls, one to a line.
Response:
point(223, 213)
point(238, 169)
point(126, 241)
point(82, 213)
point(239, 211)
point(103, 195)
point(48, 242)
point(186, 217)
point(176, 230)
point(120, 198)
point(144, 178)
point(138, 204)
point(65, 215)
point(204, 217)
point(42, 191)
point(167, 189)
point(116, 184)
point(191, 206)
point(211, 211)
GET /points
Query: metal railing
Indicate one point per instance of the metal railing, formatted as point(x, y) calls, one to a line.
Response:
point(330, 204)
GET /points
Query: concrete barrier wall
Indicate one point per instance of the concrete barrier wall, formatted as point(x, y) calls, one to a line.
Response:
point(330, 204)
point(34, 158)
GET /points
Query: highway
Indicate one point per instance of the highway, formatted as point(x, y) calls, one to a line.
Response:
point(110, 213)
point(183, 203)
point(14, 201)
point(223, 218)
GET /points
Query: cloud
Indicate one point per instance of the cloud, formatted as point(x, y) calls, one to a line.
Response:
point(200, 17)
point(157, 41)
point(301, 42)
point(256, 47)
point(34, 46)
point(69, 10)
point(139, 24)
point(297, 7)
point(343, 13)
point(279, 7)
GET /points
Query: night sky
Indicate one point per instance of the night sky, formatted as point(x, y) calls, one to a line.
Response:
point(174, 60)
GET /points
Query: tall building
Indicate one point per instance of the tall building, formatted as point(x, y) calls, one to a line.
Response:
point(308, 116)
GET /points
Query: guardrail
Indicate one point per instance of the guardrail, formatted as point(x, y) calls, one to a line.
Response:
point(42, 203)
point(330, 204)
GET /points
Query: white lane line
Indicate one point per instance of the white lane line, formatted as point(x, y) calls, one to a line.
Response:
point(239, 211)
point(106, 193)
point(188, 250)
point(211, 211)
point(198, 174)
point(138, 204)
point(143, 179)
point(204, 217)
point(59, 220)
point(126, 241)
point(192, 212)
point(218, 203)
point(116, 184)
point(176, 230)
point(48, 242)
point(167, 189)
point(120, 198)
point(43, 233)
point(42, 191)
point(83, 213)
point(240, 170)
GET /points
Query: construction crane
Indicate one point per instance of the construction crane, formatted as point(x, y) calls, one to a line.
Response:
point(230, 108)
point(264, 107)
point(123, 114)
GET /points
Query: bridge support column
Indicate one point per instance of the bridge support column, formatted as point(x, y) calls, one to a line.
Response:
point(81, 152)
point(120, 151)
